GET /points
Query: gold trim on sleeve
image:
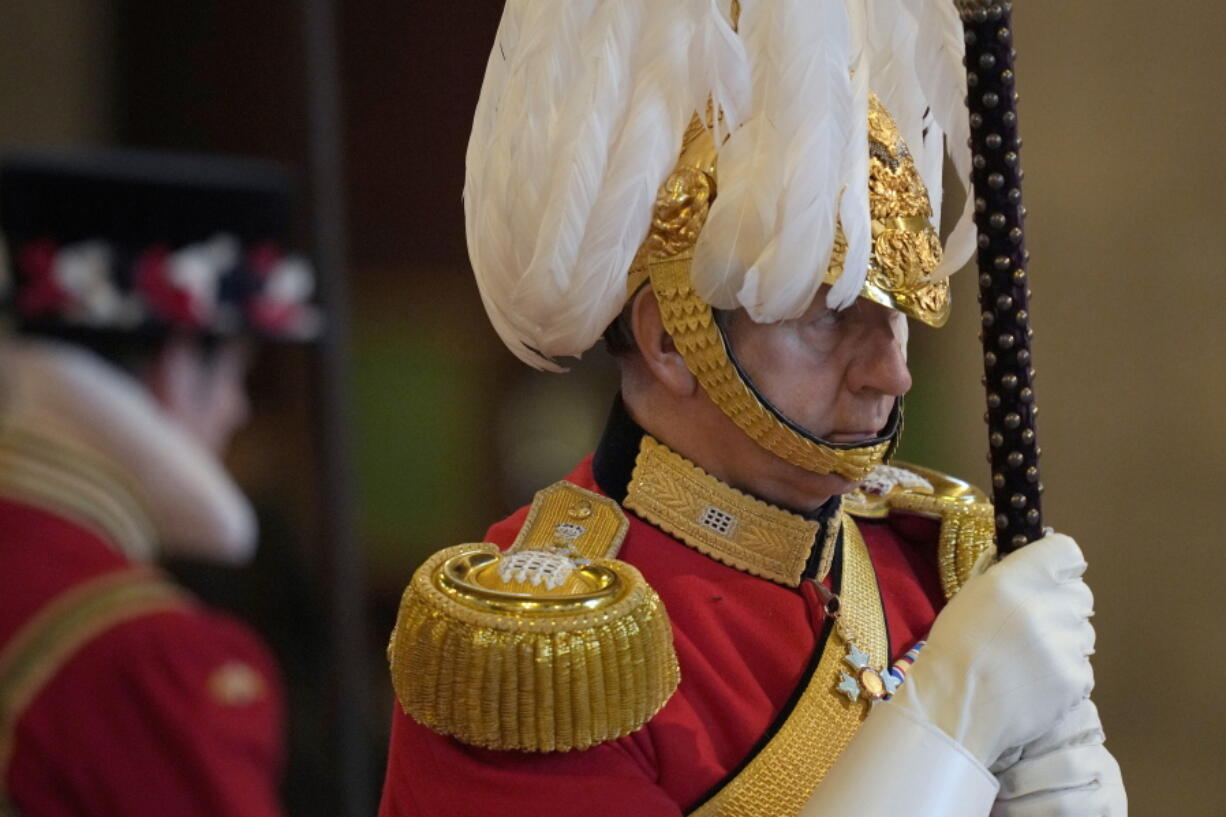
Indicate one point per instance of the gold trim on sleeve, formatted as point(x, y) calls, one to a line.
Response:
point(62, 627)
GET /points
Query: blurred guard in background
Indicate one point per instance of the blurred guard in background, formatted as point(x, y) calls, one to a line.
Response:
point(722, 611)
point(136, 284)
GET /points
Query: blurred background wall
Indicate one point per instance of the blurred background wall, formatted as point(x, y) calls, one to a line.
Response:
point(1125, 174)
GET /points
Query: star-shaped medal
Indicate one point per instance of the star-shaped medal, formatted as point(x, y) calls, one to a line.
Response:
point(867, 680)
point(849, 687)
point(857, 659)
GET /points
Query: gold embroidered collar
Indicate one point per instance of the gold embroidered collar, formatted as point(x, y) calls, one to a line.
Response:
point(719, 521)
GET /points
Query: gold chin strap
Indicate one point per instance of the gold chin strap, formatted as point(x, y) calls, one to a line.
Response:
point(905, 251)
point(691, 323)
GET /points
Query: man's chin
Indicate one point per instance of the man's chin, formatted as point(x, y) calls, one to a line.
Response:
point(828, 485)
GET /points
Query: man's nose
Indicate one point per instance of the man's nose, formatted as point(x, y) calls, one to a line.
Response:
point(880, 365)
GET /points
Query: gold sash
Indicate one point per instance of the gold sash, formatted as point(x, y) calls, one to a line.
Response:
point(785, 772)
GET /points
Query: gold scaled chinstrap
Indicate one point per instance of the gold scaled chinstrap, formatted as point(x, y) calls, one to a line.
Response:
point(550, 646)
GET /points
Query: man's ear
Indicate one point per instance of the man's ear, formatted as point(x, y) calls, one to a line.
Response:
point(655, 345)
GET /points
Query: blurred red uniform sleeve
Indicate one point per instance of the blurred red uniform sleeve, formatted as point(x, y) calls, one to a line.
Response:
point(175, 714)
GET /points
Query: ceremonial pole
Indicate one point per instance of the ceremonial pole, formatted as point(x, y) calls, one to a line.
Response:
point(1004, 286)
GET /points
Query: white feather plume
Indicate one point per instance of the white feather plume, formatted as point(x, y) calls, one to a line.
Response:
point(580, 119)
point(853, 207)
point(942, 78)
point(718, 67)
point(773, 222)
point(533, 56)
point(642, 153)
point(583, 128)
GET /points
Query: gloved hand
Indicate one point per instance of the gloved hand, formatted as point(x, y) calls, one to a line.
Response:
point(1067, 772)
point(1007, 659)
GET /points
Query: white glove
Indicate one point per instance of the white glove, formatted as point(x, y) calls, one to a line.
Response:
point(1067, 772)
point(1007, 658)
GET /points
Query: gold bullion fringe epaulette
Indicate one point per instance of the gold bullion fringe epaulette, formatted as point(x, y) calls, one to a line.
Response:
point(968, 528)
point(550, 646)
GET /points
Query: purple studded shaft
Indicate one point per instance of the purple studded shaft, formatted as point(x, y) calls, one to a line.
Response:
point(1004, 286)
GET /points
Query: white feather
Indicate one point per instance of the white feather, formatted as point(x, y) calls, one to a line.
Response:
point(941, 76)
point(961, 242)
point(743, 214)
point(583, 128)
point(772, 226)
point(718, 67)
point(853, 208)
point(531, 59)
point(642, 154)
point(691, 40)
point(930, 161)
point(580, 119)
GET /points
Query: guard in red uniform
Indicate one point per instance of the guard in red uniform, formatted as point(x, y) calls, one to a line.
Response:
point(737, 605)
point(136, 284)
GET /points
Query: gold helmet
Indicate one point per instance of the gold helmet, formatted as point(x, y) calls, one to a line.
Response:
point(905, 253)
point(572, 161)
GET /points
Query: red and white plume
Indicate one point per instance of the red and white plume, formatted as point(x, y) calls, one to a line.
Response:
point(580, 120)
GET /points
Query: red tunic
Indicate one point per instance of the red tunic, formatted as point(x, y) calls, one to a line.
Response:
point(176, 712)
point(743, 644)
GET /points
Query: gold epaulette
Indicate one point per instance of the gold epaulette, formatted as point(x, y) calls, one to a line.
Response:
point(967, 520)
point(550, 646)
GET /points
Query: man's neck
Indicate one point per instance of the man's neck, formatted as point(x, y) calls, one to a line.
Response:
point(718, 447)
